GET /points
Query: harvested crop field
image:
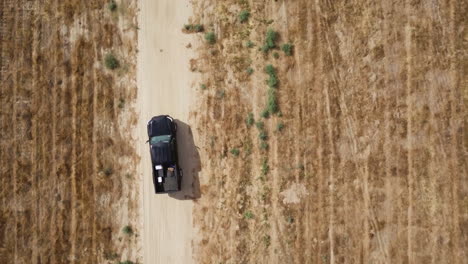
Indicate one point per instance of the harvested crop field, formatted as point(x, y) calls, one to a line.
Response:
point(68, 185)
point(350, 148)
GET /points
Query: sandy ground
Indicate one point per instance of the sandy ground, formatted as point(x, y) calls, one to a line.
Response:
point(164, 82)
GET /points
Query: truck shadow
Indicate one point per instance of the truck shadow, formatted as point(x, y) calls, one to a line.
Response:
point(189, 161)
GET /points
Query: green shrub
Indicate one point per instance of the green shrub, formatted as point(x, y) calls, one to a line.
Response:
point(272, 81)
point(112, 6)
point(244, 16)
point(265, 167)
point(263, 135)
point(265, 113)
point(235, 152)
point(203, 86)
point(198, 28)
point(126, 262)
point(272, 102)
point(276, 55)
point(267, 240)
point(250, 119)
point(194, 28)
point(121, 103)
point(108, 171)
point(111, 62)
point(210, 37)
point(279, 127)
point(288, 49)
point(270, 70)
point(270, 40)
point(248, 215)
point(127, 230)
point(250, 70)
point(263, 145)
point(249, 44)
point(260, 125)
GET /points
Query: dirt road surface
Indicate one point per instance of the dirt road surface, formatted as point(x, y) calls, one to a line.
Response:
point(164, 88)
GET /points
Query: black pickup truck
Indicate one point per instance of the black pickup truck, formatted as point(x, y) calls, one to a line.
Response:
point(167, 175)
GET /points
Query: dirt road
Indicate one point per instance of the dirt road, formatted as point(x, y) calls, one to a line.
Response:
point(164, 88)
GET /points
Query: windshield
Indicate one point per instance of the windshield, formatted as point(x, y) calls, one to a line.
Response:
point(157, 139)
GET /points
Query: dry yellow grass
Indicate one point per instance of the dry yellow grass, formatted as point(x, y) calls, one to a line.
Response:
point(373, 102)
point(65, 146)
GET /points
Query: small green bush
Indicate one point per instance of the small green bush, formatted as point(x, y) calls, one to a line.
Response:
point(111, 62)
point(250, 70)
point(260, 125)
point(272, 81)
point(267, 240)
point(276, 55)
point(265, 167)
point(244, 16)
point(272, 102)
point(248, 215)
point(127, 230)
point(210, 37)
point(287, 49)
point(203, 86)
point(112, 6)
point(279, 127)
point(235, 152)
point(250, 119)
point(264, 145)
point(108, 171)
point(121, 103)
point(265, 113)
point(249, 44)
point(263, 135)
point(270, 70)
point(198, 28)
point(270, 40)
point(126, 262)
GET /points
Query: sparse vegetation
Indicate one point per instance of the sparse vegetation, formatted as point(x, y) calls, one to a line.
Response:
point(235, 152)
point(203, 86)
point(287, 49)
point(276, 55)
point(249, 44)
point(250, 70)
point(265, 167)
point(112, 6)
point(210, 37)
point(280, 126)
point(265, 113)
point(244, 16)
point(250, 119)
point(260, 125)
point(263, 135)
point(193, 28)
point(272, 102)
point(108, 171)
point(127, 230)
point(267, 240)
point(111, 62)
point(248, 215)
point(220, 94)
point(126, 262)
point(121, 103)
point(264, 145)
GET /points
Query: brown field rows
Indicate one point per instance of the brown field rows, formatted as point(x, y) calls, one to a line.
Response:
point(66, 155)
point(370, 165)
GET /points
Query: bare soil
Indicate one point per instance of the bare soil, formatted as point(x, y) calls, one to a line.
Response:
point(373, 106)
point(67, 159)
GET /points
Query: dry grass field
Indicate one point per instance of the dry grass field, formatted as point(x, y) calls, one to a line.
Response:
point(362, 158)
point(67, 185)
